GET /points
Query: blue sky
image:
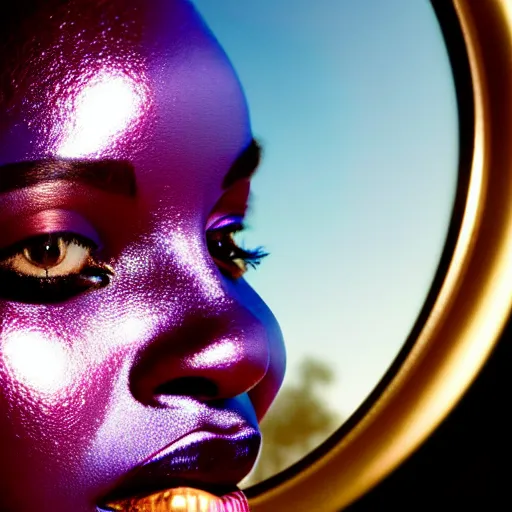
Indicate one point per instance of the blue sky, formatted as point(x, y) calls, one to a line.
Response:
point(355, 104)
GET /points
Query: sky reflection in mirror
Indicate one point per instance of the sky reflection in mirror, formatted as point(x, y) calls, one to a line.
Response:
point(355, 105)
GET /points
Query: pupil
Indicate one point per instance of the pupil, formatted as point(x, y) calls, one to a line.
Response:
point(44, 252)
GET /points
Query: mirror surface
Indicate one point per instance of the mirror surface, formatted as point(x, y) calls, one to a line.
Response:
point(355, 106)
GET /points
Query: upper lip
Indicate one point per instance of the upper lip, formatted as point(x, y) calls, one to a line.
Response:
point(210, 458)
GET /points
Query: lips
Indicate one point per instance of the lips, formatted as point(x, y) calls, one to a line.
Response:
point(212, 459)
point(183, 499)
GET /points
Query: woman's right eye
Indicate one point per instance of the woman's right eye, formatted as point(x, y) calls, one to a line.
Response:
point(50, 268)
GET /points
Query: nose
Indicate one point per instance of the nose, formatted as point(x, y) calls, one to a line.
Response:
point(205, 358)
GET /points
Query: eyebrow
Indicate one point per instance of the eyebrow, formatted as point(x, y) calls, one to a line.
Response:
point(245, 165)
point(113, 176)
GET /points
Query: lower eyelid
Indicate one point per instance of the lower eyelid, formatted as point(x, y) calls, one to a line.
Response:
point(41, 290)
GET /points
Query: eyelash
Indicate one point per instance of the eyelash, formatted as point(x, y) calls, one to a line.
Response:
point(226, 253)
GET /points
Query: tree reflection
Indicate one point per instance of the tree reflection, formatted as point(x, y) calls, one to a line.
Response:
point(299, 420)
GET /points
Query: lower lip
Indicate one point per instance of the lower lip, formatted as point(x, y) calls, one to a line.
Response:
point(184, 499)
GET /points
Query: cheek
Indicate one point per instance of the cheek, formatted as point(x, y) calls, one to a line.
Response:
point(52, 396)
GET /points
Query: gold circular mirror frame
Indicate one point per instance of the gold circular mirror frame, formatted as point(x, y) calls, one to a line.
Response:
point(472, 303)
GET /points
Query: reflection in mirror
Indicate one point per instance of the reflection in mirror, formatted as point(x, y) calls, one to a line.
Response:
point(354, 103)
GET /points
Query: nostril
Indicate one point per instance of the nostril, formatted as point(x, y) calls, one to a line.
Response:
point(195, 387)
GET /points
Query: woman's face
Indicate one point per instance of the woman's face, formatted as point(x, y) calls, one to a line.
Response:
point(133, 356)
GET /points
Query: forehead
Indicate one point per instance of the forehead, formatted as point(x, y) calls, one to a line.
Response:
point(137, 80)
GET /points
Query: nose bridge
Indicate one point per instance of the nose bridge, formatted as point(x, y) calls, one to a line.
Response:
point(184, 266)
point(171, 271)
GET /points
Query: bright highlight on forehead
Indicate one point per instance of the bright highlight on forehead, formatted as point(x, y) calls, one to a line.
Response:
point(37, 361)
point(105, 108)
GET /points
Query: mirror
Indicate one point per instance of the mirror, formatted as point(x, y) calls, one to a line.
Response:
point(355, 106)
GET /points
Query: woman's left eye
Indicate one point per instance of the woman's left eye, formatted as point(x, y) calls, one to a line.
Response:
point(232, 259)
point(50, 255)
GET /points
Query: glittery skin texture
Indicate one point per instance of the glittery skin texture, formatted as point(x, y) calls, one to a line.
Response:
point(172, 355)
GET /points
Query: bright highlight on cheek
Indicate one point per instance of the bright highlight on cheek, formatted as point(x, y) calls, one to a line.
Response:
point(40, 363)
point(105, 108)
point(131, 330)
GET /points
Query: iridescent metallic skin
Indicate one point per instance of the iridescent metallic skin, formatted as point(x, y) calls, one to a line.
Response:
point(93, 388)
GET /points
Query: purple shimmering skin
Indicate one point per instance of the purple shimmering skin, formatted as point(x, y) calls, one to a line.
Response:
point(94, 388)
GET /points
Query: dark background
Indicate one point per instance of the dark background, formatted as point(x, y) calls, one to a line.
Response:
point(466, 463)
